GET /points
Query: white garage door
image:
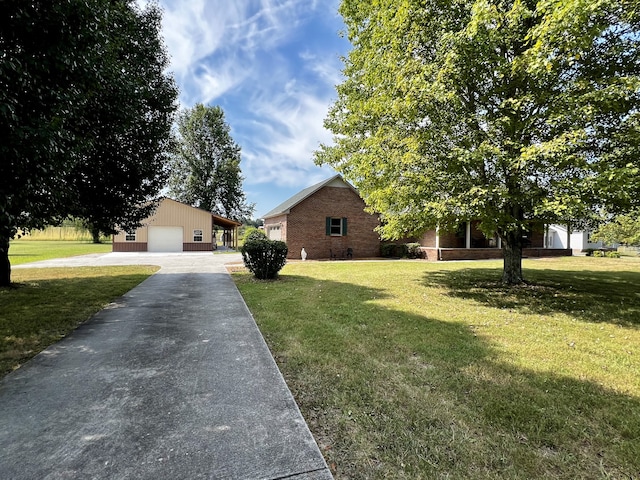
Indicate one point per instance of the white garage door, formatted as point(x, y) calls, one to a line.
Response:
point(275, 233)
point(165, 239)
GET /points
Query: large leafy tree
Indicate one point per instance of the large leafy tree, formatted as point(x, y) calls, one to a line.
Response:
point(47, 60)
point(623, 229)
point(205, 169)
point(60, 61)
point(503, 111)
point(127, 162)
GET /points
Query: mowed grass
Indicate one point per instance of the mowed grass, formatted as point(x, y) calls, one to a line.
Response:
point(45, 304)
point(412, 370)
point(26, 251)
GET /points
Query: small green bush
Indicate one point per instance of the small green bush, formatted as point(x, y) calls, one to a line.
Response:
point(598, 253)
point(388, 250)
point(413, 250)
point(264, 258)
point(613, 254)
point(253, 233)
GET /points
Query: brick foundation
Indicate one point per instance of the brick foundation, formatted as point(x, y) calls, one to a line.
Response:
point(546, 252)
point(129, 247)
point(445, 254)
point(197, 247)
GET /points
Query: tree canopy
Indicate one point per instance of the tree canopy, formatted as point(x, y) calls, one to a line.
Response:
point(85, 111)
point(624, 229)
point(205, 168)
point(129, 119)
point(502, 111)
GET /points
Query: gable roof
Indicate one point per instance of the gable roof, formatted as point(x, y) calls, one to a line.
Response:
point(286, 206)
point(163, 199)
point(217, 219)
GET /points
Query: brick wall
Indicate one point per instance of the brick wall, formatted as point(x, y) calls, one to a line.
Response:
point(546, 252)
point(488, 253)
point(279, 220)
point(305, 226)
point(429, 253)
point(197, 247)
point(537, 239)
point(428, 239)
point(470, 253)
point(450, 240)
point(129, 247)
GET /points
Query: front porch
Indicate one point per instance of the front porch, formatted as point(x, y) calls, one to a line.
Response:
point(469, 243)
point(225, 232)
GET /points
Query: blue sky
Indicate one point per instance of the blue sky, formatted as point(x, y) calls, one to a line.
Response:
point(272, 65)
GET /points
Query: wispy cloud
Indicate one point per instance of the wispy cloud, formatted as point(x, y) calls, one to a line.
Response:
point(222, 33)
point(272, 65)
point(292, 130)
point(286, 123)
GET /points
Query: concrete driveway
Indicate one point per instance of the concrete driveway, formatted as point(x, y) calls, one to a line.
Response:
point(171, 381)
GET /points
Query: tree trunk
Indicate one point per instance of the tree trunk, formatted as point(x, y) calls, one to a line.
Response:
point(512, 252)
point(5, 264)
point(95, 233)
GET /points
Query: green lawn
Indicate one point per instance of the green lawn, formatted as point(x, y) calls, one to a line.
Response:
point(411, 370)
point(45, 304)
point(26, 251)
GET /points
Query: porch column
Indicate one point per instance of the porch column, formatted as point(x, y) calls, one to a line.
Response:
point(568, 236)
point(437, 237)
point(545, 239)
point(499, 241)
point(468, 235)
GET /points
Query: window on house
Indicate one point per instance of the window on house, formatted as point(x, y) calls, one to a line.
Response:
point(197, 235)
point(336, 227)
point(130, 237)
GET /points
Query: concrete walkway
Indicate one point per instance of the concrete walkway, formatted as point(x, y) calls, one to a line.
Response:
point(171, 381)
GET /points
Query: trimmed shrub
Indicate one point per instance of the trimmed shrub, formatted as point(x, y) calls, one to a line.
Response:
point(413, 250)
point(388, 250)
point(598, 253)
point(264, 258)
point(253, 233)
point(613, 254)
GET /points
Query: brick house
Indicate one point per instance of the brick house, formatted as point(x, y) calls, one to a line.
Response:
point(177, 227)
point(328, 220)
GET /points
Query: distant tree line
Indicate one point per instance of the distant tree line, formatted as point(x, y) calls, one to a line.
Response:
point(623, 229)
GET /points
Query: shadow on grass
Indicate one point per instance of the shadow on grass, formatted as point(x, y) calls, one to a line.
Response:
point(611, 297)
point(395, 395)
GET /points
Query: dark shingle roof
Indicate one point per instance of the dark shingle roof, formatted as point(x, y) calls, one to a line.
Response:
point(287, 205)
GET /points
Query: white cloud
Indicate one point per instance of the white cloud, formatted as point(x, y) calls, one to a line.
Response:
point(275, 81)
point(292, 129)
point(215, 45)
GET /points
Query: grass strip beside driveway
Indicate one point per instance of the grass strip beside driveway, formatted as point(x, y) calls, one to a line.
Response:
point(27, 251)
point(45, 304)
point(412, 370)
